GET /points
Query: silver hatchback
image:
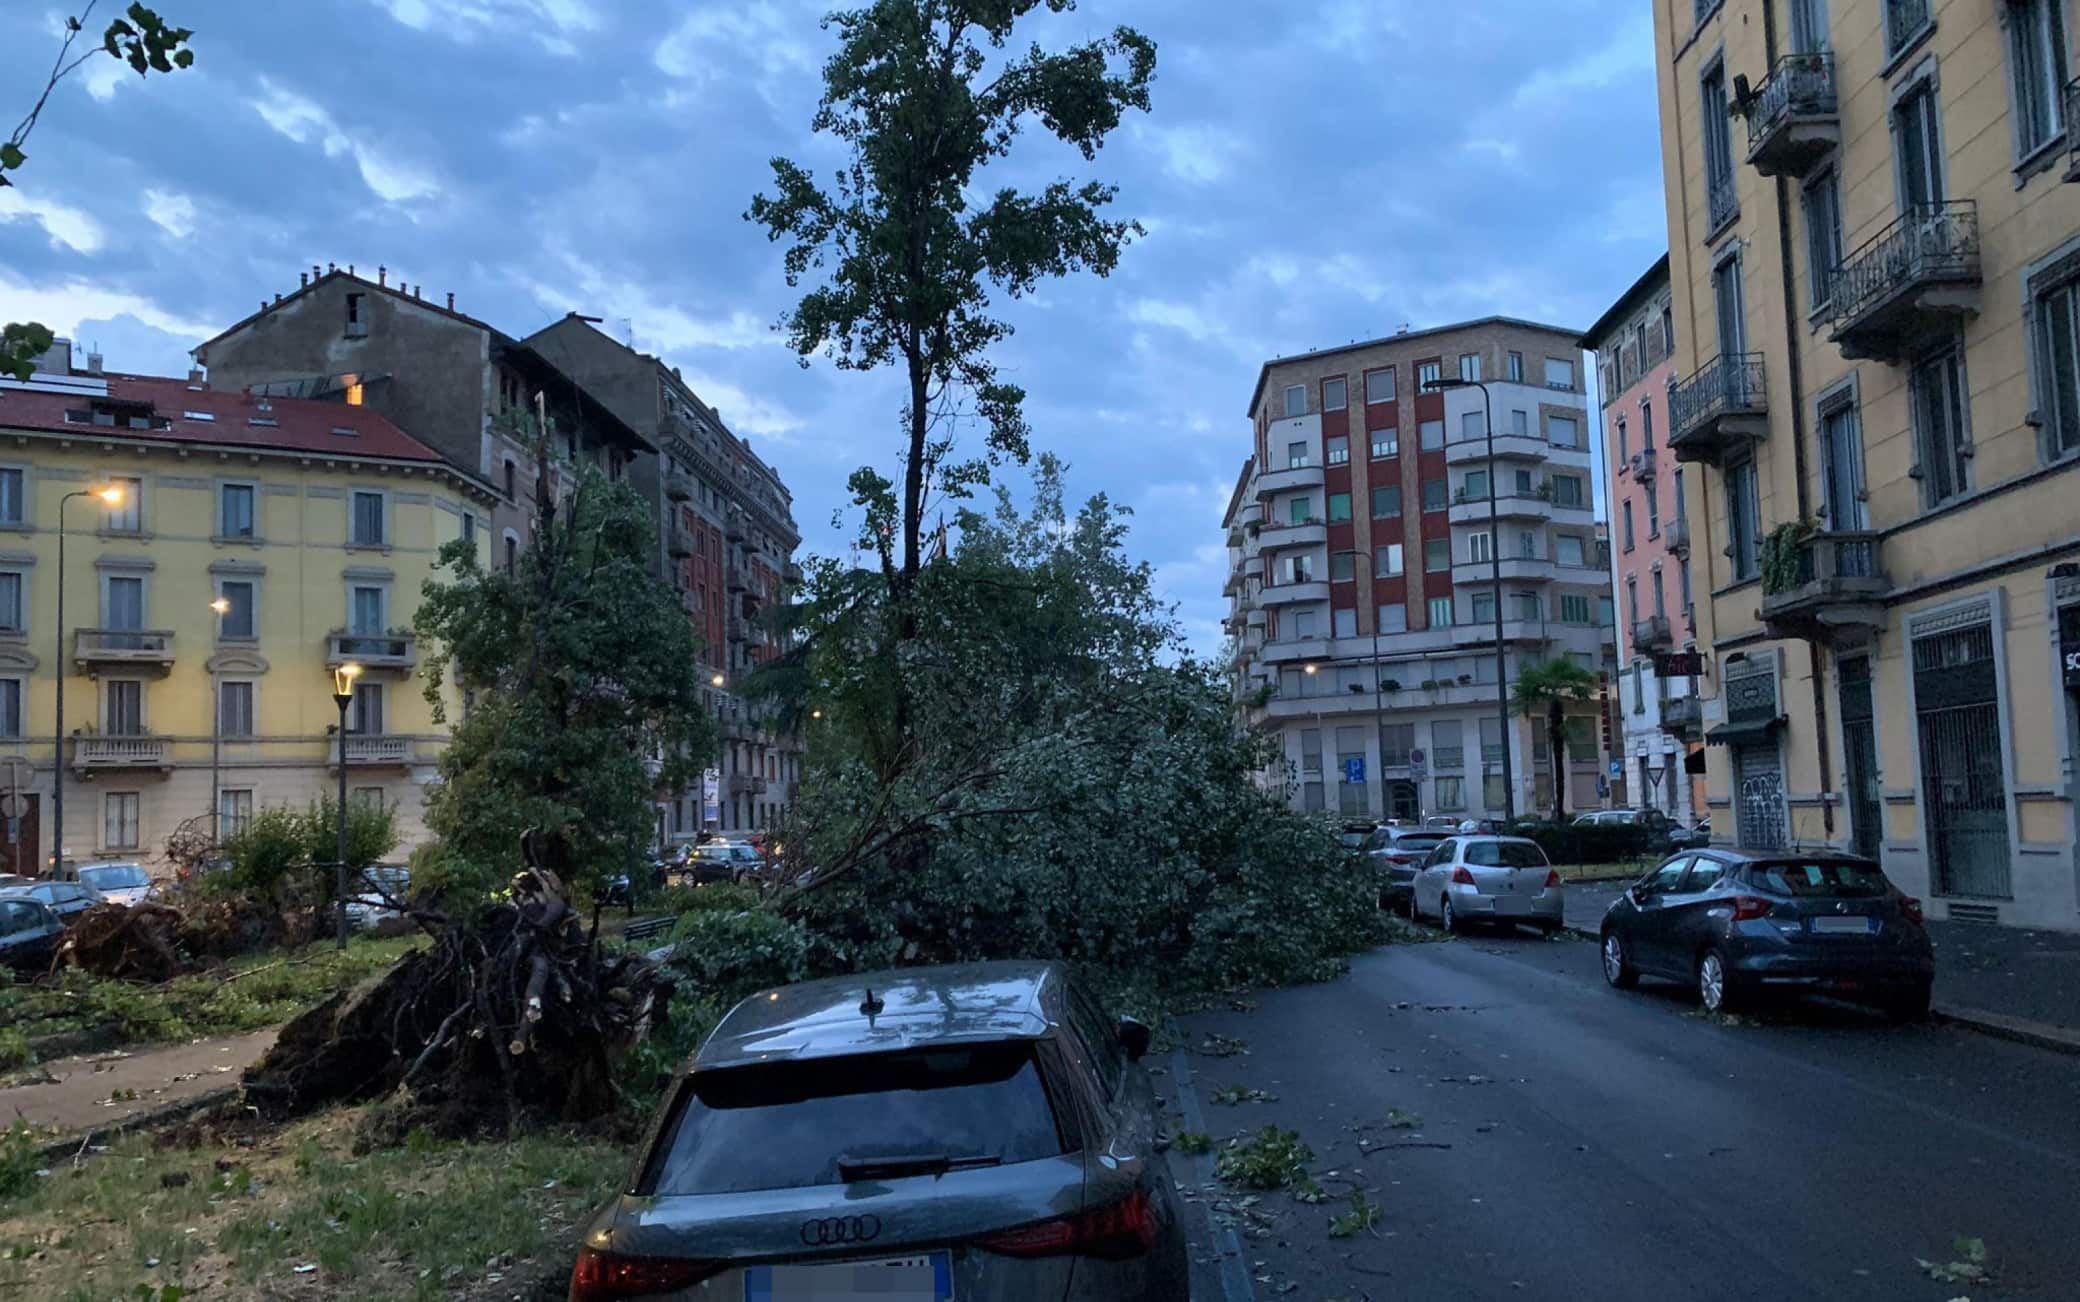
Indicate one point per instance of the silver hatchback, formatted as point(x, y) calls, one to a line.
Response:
point(977, 1132)
point(1502, 879)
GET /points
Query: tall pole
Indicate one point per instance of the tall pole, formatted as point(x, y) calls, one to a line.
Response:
point(1509, 788)
point(58, 723)
point(1379, 706)
point(342, 699)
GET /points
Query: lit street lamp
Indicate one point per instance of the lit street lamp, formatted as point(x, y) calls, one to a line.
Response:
point(343, 696)
point(113, 496)
point(222, 606)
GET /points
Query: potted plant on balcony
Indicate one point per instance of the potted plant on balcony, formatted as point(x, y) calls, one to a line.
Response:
point(1261, 697)
point(1390, 685)
point(1781, 566)
point(1357, 689)
point(1431, 684)
point(1465, 680)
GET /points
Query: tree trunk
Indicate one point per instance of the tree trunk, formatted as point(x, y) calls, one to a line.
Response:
point(1556, 746)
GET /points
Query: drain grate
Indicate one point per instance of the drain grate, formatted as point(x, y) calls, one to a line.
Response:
point(1988, 915)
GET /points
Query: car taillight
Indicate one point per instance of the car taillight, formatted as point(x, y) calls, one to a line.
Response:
point(1911, 907)
point(1552, 878)
point(1461, 877)
point(608, 1276)
point(1115, 1232)
point(1746, 908)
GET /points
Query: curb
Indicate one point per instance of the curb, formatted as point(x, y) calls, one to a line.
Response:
point(149, 1119)
point(1232, 1271)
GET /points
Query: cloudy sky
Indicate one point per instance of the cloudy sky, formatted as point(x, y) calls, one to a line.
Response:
point(1313, 172)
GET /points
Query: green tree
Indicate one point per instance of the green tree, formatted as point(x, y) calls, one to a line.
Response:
point(907, 249)
point(279, 850)
point(582, 671)
point(1543, 691)
point(141, 39)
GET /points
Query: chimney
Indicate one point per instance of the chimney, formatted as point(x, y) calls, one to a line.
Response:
point(415, 291)
point(303, 279)
point(194, 377)
point(277, 298)
point(93, 363)
point(382, 275)
point(331, 267)
point(451, 300)
point(350, 268)
point(314, 271)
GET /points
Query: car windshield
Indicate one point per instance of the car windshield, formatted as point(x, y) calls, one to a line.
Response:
point(1352, 839)
point(1505, 854)
point(1846, 879)
point(791, 1125)
point(114, 876)
point(1417, 844)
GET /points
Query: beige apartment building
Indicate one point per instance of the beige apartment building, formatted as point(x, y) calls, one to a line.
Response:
point(1875, 276)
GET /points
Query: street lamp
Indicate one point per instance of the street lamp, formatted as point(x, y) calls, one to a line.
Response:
point(113, 496)
point(222, 605)
point(1509, 793)
point(342, 696)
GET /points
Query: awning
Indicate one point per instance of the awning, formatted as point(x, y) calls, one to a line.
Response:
point(1744, 733)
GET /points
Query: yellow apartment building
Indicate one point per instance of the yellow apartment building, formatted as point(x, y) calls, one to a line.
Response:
point(257, 544)
point(1875, 273)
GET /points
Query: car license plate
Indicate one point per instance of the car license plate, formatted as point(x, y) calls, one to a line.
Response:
point(1858, 926)
point(926, 1277)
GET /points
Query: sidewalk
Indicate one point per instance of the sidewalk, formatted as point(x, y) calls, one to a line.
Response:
point(2015, 975)
point(97, 1090)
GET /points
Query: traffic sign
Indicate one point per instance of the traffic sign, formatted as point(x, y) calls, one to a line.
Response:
point(1354, 769)
point(1416, 758)
point(1617, 768)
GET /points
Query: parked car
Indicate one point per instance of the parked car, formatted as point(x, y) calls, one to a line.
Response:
point(29, 934)
point(383, 888)
point(976, 1132)
point(1737, 923)
point(718, 861)
point(1357, 834)
point(1472, 879)
point(1479, 827)
point(66, 899)
point(1445, 824)
point(1396, 853)
point(118, 883)
point(1690, 838)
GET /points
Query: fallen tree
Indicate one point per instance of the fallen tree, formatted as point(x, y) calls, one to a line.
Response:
point(141, 942)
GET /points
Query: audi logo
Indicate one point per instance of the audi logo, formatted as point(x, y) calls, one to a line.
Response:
point(833, 1231)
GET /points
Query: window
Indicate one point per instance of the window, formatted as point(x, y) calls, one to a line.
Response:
point(1476, 486)
point(2037, 62)
point(1823, 207)
point(1393, 618)
point(123, 602)
point(1559, 373)
point(10, 707)
point(1386, 561)
point(1310, 750)
point(1469, 366)
point(1624, 444)
point(1296, 400)
point(368, 519)
point(238, 620)
point(1605, 612)
point(1300, 570)
point(1808, 26)
point(11, 602)
point(1524, 488)
point(1683, 580)
point(1386, 501)
point(1296, 456)
point(1437, 555)
point(1526, 604)
point(1334, 394)
point(1567, 489)
point(1916, 138)
point(1646, 424)
point(1435, 494)
point(1743, 520)
point(1483, 607)
point(1668, 331)
point(2058, 348)
point(1440, 612)
point(1343, 567)
point(12, 495)
point(365, 609)
point(235, 510)
point(1527, 544)
point(512, 481)
point(1631, 599)
point(1451, 793)
point(365, 715)
point(235, 709)
point(1519, 421)
point(1379, 385)
point(126, 516)
point(512, 554)
point(1386, 443)
point(1660, 605)
point(1905, 20)
point(1432, 435)
point(1339, 508)
point(1427, 374)
point(1516, 368)
point(1471, 425)
point(1677, 483)
point(1567, 549)
point(1563, 432)
point(234, 811)
point(1942, 442)
point(1345, 622)
point(1299, 510)
point(1721, 204)
point(357, 316)
point(1628, 524)
point(1653, 513)
point(122, 707)
point(469, 528)
point(1574, 608)
point(119, 820)
point(1339, 451)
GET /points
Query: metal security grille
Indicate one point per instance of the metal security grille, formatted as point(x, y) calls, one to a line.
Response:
point(1758, 776)
point(1956, 703)
point(1860, 757)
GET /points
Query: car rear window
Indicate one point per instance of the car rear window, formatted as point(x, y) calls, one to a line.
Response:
point(1849, 880)
point(1505, 854)
point(789, 1125)
point(1418, 844)
point(114, 877)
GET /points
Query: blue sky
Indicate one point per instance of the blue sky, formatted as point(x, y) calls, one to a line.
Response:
point(1314, 171)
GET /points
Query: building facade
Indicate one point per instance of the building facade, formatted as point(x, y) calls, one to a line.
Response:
point(1660, 717)
point(1364, 537)
point(1875, 282)
point(311, 524)
point(726, 541)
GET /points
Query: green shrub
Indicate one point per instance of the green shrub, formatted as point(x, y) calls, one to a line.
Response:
point(14, 1048)
point(1588, 842)
point(726, 954)
point(725, 896)
point(19, 1161)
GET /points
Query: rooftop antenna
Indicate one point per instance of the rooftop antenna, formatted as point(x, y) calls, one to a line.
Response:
point(872, 1004)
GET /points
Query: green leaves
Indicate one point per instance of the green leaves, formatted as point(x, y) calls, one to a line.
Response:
point(145, 42)
point(11, 155)
point(1969, 1266)
point(1363, 1217)
point(21, 343)
point(1270, 1159)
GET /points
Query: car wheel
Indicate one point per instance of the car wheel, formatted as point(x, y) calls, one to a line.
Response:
point(1715, 989)
point(1908, 1006)
point(1617, 963)
point(1447, 917)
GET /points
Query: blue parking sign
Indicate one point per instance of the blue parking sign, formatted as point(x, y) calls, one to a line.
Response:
point(1354, 769)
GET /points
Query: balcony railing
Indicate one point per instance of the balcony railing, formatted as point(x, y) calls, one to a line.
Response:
point(1723, 403)
point(371, 650)
point(1833, 592)
point(1641, 464)
point(1904, 21)
point(746, 784)
point(1722, 201)
point(122, 753)
point(1794, 119)
point(376, 749)
point(123, 647)
point(1675, 534)
point(678, 485)
point(678, 539)
point(1910, 280)
point(1651, 634)
point(1683, 716)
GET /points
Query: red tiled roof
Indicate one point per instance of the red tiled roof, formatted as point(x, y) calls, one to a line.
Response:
point(300, 424)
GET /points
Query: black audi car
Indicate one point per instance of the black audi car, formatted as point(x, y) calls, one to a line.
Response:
point(1737, 923)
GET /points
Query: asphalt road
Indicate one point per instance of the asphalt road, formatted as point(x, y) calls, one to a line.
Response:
point(1616, 1146)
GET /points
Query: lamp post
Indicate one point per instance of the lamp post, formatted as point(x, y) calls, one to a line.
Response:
point(342, 696)
point(113, 496)
point(1509, 793)
point(222, 606)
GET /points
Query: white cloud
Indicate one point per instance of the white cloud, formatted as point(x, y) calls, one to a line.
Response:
point(549, 22)
point(718, 37)
point(385, 170)
point(171, 211)
point(66, 226)
point(1181, 317)
point(743, 413)
point(659, 326)
point(63, 306)
point(102, 75)
point(1193, 154)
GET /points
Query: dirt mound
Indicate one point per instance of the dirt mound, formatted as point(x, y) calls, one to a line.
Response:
point(139, 943)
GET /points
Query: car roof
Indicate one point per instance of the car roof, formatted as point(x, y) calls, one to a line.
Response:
point(1470, 837)
point(919, 1006)
point(1735, 854)
point(110, 863)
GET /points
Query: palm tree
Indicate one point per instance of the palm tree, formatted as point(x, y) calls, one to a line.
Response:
point(1546, 688)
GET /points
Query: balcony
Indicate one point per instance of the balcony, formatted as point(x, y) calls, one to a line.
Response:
point(1515, 569)
point(746, 784)
point(1295, 651)
point(1296, 593)
point(1247, 514)
point(1508, 447)
point(678, 485)
point(96, 650)
point(1913, 279)
point(1651, 634)
point(1722, 202)
point(1513, 506)
point(1482, 632)
point(1793, 121)
point(1675, 535)
point(1684, 717)
point(1723, 406)
point(1254, 618)
point(1308, 533)
point(678, 539)
point(1641, 464)
point(1288, 480)
point(375, 750)
point(100, 752)
point(1832, 590)
point(371, 650)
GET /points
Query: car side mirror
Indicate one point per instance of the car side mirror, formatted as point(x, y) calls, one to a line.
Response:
point(1134, 1038)
point(1639, 894)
